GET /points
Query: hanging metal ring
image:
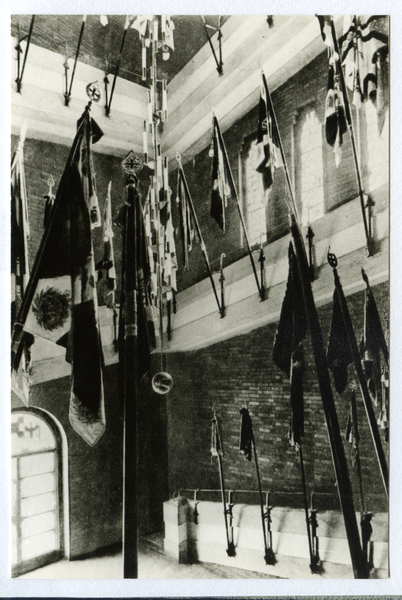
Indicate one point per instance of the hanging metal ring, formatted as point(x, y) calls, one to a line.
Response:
point(162, 383)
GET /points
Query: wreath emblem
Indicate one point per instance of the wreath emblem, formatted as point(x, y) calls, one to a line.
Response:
point(51, 308)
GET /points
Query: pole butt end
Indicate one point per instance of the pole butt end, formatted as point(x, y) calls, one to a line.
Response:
point(269, 557)
point(315, 565)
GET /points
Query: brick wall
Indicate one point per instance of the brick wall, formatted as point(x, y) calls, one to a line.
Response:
point(308, 88)
point(95, 474)
point(43, 159)
point(60, 33)
point(240, 370)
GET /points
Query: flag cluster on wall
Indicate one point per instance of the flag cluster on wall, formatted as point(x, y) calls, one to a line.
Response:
point(60, 302)
point(20, 267)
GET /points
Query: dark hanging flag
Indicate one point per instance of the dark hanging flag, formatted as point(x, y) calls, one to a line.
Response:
point(20, 268)
point(246, 433)
point(220, 187)
point(335, 119)
point(326, 29)
point(268, 154)
point(136, 326)
point(186, 220)
point(373, 337)
point(64, 308)
point(288, 348)
point(292, 326)
point(296, 427)
point(372, 343)
point(339, 355)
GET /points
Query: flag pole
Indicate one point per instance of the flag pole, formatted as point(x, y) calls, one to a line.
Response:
point(362, 380)
point(67, 95)
point(369, 241)
point(20, 75)
point(269, 555)
point(314, 566)
point(226, 512)
point(365, 517)
point(203, 246)
point(109, 105)
point(218, 64)
point(222, 282)
point(260, 291)
point(335, 439)
point(130, 396)
point(18, 327)
point(337, 450)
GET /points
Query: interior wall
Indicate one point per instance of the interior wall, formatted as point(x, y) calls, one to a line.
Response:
point(42, 159)
point(239, 372)
point(307, 88)
point(95, 474)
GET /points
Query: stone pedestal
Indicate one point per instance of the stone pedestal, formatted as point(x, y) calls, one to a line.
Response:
point(176, 538)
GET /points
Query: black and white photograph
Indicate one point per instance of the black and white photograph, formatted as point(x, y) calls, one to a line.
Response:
point(200, 297)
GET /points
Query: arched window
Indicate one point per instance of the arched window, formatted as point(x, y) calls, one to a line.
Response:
point(37, 507)
point(309, 169)
point(254, 197)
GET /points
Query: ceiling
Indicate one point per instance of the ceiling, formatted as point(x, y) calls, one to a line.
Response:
point(195, 89)
point(100, 45)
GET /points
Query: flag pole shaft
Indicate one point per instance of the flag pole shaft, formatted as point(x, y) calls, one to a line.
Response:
point(305, 497)
point(335, 439)
point(218, 66)
point(108, 106)
point(358, 465)
point(369, 241)
point(34, 276)
point(229, 539)
point(155, 183)
point(287, 175)
point(363, 384)
point(262, 296)
point(261, 499)
point(203, 247)
point(19, 79)
point(130, 390)
point(223, 494)
point(68, 95)
point(334, 434)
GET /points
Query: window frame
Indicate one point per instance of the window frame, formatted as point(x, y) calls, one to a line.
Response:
point(24, 566)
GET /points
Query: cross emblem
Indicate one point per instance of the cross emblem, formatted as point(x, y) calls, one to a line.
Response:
point(131, 164)
point(93, 91)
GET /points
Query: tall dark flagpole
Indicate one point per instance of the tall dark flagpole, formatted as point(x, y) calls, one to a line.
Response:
point(362, 379)
point(130, 376)
point(335, 439)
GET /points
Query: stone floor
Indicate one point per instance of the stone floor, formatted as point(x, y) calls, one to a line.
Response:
point(152, 564)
